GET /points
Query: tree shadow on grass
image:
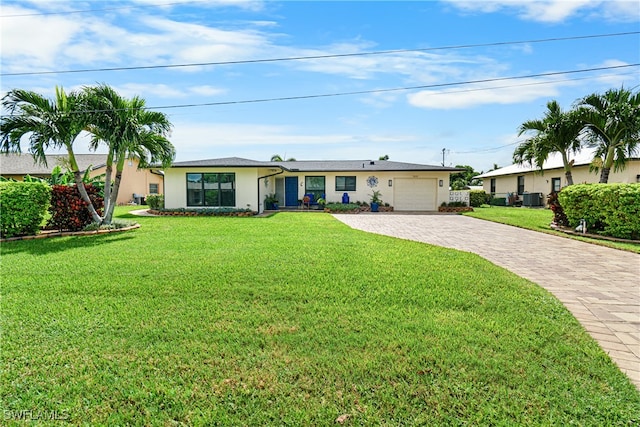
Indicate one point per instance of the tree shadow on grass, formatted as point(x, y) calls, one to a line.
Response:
point(62, 243)
point(127, 216)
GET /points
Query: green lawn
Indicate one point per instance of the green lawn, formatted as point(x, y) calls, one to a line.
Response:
point(293, 319)
point(539, 220)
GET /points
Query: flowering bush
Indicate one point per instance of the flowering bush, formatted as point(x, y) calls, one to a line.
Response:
point(68, 210)
point(559, 217)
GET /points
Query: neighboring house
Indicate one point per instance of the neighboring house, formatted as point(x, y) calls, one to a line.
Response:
point(527, 178)
point(243, 183)
point(140, 182)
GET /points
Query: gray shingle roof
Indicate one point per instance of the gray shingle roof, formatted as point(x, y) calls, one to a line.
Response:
point(358, 165)
point(236, 162)
point(316, 165)
point(23, 164)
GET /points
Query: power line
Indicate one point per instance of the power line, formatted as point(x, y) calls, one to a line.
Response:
point(406, 88)
point(363, 92)
point(490, 149)
point(301, 58)
point(69, 12)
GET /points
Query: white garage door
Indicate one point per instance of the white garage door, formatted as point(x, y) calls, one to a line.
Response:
point(415, 194)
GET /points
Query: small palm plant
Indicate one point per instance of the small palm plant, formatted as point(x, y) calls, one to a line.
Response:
point(375, 197)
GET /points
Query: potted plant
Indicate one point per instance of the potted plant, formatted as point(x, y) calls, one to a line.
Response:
point(271, 202)
point(375, 200)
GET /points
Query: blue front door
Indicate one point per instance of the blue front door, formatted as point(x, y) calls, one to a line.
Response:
point(291, 191)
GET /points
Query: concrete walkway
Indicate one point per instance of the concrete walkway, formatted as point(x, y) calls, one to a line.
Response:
point(600, 286)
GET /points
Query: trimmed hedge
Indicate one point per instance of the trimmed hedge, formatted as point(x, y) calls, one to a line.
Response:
point(609, 209)
point(478, 198)
point(22, 207)
point(69, 211)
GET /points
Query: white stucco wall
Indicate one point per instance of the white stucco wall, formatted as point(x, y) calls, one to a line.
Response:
point(251, 193)
point(175, 181)
point(363, 191)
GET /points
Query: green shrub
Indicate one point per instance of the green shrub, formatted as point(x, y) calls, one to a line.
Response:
point(498, 201)
point(69, 211)
point(342, 207)
point(155, 201)
point(457, 204)
point(610, 209)
point(478, 198)
point(225, 211)
point(22, 207)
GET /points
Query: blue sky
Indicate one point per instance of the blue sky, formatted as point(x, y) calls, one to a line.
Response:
point(476, 123)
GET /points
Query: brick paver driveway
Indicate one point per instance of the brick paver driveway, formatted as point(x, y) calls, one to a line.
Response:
point(600, 286)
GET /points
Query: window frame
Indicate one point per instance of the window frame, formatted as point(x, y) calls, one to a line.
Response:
point(492, 186)
point(520, 184)
point(317, 193)
point(157, 188)
point(208, 195)
point(345, 185)
point(553, 184)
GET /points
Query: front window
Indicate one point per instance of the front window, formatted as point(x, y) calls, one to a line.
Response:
point(521, 184)
point(153, 188)
point(345, 183)
point(315, 186)
point(555, 185)
point(211, 189)
point(493, 186)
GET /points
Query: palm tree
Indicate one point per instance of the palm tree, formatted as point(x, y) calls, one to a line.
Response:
point(130, 131)
point(278, 158)
point(613, 123)
point(556, 132)
point(51, 124)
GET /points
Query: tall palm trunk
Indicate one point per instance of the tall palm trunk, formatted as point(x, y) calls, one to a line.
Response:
point(108, 216)
point(569, 177)
point(80, 186)
point(607, 164)
point(567, 168)
point(107, 181)
point(604, 175)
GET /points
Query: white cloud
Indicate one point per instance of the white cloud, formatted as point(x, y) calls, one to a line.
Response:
point(33, 40)
point(46, 42)
point(206, 90)
point(259, 141)
point(198, 43)
point(149, 90)
point(525, 90)
point(557, 10)
point(416, 66)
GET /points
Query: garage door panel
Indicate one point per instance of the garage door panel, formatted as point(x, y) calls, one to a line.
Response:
point(415, 194)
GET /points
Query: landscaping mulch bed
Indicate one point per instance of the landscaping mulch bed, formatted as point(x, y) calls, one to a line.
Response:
point(360, 210)
point(44, 234)
point(573, 232)
point(455, 209)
